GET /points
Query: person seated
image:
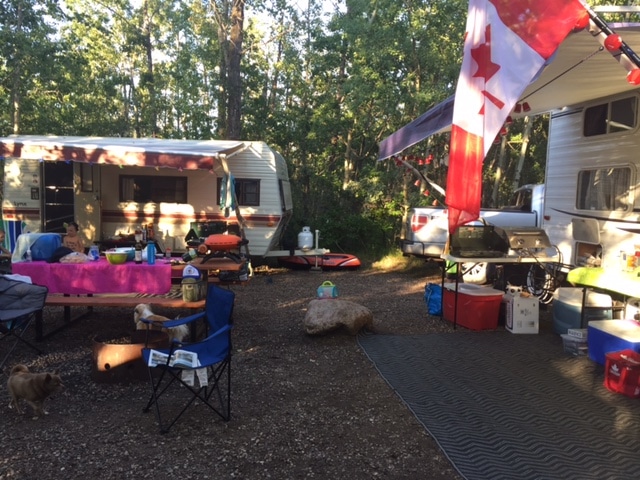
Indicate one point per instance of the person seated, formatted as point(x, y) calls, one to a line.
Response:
point(4, 252)
point(72, 240)
point(5, 255)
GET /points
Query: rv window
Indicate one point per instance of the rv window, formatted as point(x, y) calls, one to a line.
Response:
point(617, 116)
point(143, 189)
point(247, 191)
point(606, 189)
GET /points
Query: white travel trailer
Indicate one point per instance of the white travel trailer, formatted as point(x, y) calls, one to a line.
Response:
point(592, 198)
point(113, 185)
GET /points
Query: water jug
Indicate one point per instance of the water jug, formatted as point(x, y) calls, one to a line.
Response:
point(94, 253)
point(305, 239)
point(151, 253)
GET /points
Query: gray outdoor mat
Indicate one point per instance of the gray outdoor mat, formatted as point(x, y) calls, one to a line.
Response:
point(504, 406)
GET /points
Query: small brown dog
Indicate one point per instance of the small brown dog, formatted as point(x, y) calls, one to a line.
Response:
point(144, 311)
point(34, 388)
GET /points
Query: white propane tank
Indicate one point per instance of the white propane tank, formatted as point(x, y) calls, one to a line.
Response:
point(305, 239)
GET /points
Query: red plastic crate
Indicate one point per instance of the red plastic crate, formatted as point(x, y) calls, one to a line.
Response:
point(622, 373)
point(478, 309)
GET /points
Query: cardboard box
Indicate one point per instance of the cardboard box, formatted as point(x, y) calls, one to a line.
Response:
point(522, 314)
point(607, 336)
point(478, 307)
point(622, 373)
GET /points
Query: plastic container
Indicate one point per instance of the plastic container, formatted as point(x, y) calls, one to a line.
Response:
point(578, 333)
point(193, 290)
point(151, 253)
point(632, 308)
point(607, 336)
point(94, 253)
point(567, 308)
point(478, 307)
point(574, 345)
point(327, 290)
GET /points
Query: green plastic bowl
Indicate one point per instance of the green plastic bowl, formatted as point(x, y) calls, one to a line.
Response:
point(116, 258)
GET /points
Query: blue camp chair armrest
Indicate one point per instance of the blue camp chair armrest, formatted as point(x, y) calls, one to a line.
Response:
point(176, 344)
point(218, 332)
point(174, 323)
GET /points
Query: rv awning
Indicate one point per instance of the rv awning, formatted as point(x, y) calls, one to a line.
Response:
point(579, 71)
point(142, 152)
point(436, 120)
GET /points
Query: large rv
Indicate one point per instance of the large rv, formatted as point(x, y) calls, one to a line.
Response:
point(592, 196)
point(111, 186)
point(592, 180)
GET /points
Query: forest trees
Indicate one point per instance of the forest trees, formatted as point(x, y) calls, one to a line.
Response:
point(322, 81)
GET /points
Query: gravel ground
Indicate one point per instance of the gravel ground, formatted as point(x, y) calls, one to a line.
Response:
point(302, 407)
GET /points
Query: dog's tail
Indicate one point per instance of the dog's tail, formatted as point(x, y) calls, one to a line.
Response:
point(17, 369)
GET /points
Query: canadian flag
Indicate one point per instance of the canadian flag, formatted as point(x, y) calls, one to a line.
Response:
point(507, 42)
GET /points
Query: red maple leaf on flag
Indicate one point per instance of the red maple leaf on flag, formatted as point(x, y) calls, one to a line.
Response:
point(482, 55)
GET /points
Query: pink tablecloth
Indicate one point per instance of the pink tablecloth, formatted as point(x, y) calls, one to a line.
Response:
point(98, 277)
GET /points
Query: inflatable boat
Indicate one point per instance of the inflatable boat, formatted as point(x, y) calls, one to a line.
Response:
point(328, 261)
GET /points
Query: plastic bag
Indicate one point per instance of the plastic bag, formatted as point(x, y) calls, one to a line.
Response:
point(433, 298)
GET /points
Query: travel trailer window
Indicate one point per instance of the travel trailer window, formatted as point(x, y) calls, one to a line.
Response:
point(605, 189)
point(150, 188)
point(616, 116)
point(247, 191)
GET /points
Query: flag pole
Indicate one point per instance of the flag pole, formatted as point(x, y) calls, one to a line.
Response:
point(622, 46)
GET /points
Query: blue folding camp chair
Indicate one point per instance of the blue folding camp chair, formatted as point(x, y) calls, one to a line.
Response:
point(212, 373)
point(19, 304)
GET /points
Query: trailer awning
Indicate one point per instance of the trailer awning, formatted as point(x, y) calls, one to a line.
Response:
point(435, 120)
point(580, 71)
point(142, 152)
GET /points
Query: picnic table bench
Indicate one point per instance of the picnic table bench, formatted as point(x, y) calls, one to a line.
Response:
point(90, 301)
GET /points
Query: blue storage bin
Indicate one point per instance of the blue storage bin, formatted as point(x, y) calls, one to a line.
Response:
point(567, 308)
point(607, 336)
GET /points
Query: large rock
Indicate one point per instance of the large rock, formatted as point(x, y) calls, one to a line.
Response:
point(330, 314)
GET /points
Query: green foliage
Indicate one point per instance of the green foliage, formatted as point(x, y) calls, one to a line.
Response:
point(323, 88)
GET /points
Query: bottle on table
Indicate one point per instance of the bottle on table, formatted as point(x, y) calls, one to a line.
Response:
point(94, 253)
point(27, 256)
point(138, 253)
point(151, 253)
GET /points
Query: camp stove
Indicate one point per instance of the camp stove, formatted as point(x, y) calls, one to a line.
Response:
point(520, 238)
point(478, 241)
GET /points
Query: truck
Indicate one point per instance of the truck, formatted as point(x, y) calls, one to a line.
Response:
point(427, 230)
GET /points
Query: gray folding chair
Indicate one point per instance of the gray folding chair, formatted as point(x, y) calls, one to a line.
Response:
point(19, 303)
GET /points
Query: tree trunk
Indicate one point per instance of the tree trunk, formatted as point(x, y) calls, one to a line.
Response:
point(499, 171)
point(150, 84)
point(348, 161)
point(234, 125)
point(528, 125)
point(15, 79)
